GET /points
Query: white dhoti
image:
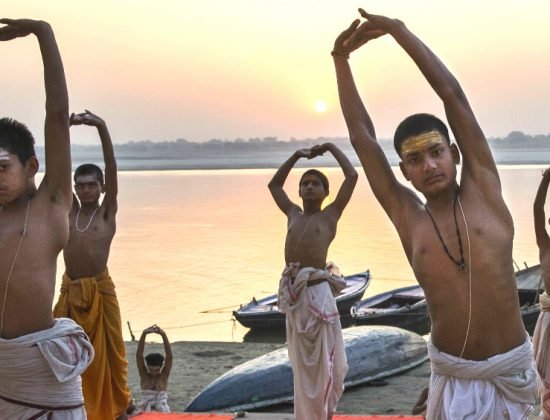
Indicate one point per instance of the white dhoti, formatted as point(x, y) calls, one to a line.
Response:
point(541, 346)
point(504, 386)
point(40, 373)
point(314, 339)
point(154, 401)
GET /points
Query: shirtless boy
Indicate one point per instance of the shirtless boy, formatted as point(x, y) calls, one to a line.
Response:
point(41, 358)
point(541, 337)
point(459, 242)
point(87, 292)
point(308, 286)
point(154, 371)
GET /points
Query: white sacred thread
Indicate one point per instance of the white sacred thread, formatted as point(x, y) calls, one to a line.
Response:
point(23, 234)
point(469, 277)
point(89, 221)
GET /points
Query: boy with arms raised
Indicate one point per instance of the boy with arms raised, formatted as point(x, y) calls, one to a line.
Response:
point(154, 371)
point(541, 337)
point(41, 358)
point(308, 285)
point(87, 292)
point(459, 243)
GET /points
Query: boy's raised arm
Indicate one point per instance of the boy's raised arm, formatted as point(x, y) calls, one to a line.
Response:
point(478, 161)
point(111, 176)
point(142, 369)
point(57, 178)
point(277, 182)
point(350, 174)
point(385, 186)
point(167, 351)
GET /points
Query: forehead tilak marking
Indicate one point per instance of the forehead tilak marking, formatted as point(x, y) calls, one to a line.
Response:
point(4, 154)
point(416, 143)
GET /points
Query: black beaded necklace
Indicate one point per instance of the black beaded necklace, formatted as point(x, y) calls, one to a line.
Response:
point(460, 264)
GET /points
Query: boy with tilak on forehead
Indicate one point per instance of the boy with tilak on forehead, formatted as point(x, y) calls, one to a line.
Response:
point(308, 285)
point(458, 242)
point(41, 358)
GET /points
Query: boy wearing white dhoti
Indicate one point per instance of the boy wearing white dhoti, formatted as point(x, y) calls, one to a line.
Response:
point(314, 338)
point(41, 373)
point(458, 240)
point(154, 401)
point(306, 295)
point(502, 387)
point(541, 337)
point(40, 363)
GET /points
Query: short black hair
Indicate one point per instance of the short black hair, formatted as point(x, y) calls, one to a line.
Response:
point(154, 359)
point(89, 169)
point(17, 139)
point(322, 177)
point(417, 124)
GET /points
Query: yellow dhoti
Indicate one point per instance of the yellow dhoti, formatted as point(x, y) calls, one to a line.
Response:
point(91, 302)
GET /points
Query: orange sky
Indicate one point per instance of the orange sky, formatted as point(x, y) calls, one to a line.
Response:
point(217, 69)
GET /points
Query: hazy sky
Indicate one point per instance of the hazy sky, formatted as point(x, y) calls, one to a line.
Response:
point(207, 69)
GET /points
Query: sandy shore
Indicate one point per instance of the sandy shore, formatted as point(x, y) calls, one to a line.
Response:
point(196, 364)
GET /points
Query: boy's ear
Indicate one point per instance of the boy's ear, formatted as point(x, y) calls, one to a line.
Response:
point(455, 154)
point(403, 171)
point(31, 166)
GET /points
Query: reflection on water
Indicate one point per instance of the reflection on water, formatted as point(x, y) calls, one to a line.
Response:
point(191, 246)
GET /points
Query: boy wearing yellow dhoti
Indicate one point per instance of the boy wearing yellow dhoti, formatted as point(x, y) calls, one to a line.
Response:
point(541, 337)
point(41, 358)
point(458, 242)
point(87, 292)
point(308, 285)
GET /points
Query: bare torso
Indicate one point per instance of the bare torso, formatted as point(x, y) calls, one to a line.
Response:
point(496, 325)
point(309, 237)
point(86, 253)
point(154, 382)
point(32, 282)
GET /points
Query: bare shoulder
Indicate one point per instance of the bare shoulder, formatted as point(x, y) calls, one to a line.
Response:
point(484, 200)
point(50, 205)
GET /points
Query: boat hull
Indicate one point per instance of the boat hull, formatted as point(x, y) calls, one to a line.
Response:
point(372, 353)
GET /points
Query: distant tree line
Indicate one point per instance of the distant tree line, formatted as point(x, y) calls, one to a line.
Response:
point(181, 148)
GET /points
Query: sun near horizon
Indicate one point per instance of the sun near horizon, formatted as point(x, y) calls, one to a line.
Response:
point(320, 106)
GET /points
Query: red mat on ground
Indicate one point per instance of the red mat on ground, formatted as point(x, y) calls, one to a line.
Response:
point(212, 416)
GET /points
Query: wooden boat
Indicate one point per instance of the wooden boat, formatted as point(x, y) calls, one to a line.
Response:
point(404, 308)
point(373, 352)
point(264, 313)
point(530, 285)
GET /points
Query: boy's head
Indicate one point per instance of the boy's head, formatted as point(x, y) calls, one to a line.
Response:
point(89, 169)
point(428, 160)
point(319, 175)
point(18, 161)
point(15, 138)
point(88, 183)
point(415, 125)
point(154, 362)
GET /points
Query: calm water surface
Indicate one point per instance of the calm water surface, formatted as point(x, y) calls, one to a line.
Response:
point(191, 246)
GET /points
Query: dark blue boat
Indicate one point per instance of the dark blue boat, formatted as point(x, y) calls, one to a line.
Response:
point(373, 352)
point(264, 313)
